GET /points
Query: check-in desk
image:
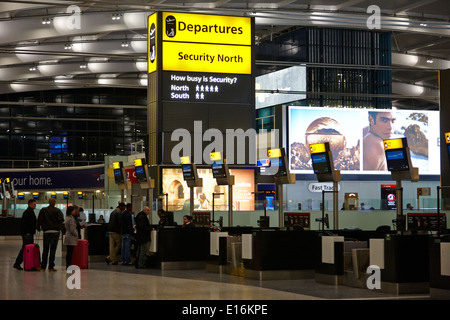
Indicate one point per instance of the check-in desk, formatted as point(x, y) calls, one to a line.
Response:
point(97, 235)
point(9, 226)
point(182, 248)
point(440, 268)
point(403, 261)
point(279, 254)
point(343, 257)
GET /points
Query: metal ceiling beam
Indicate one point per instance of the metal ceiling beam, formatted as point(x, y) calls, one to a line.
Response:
point(414, 5)
point(426, 44)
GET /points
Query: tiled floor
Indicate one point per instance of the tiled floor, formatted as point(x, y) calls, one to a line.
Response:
point(107, 282)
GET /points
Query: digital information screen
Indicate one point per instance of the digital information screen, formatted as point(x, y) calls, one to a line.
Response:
point(140, 174)
point(188, 173)
point(396, 160)
point(118, 176)
point(320, 163)
point(206, 87)
point(218, 169)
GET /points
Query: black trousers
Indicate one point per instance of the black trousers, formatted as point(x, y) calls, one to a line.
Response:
point(69, 255)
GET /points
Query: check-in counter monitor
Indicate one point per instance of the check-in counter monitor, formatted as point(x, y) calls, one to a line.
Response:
point(279, 166)
point(119, 173)
point(398, 160)
point(322, 163)
point(142, 174)
point(220, 169)
point(190, 175)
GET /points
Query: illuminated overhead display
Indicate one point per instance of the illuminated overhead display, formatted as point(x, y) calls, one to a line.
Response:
point(204, 58)
point(356, 138)
point(210, 87)
point(200, 28)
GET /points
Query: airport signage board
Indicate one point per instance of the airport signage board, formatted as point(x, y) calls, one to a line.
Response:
point(57, 178)
point(202, 58)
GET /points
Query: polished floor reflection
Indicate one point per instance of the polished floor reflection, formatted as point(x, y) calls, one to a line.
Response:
point(108, 282)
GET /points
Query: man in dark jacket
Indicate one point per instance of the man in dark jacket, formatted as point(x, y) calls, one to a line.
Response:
point(27, 230)
point(50, 221)
point(127, 234)
point(115, 234)
point(143, 229)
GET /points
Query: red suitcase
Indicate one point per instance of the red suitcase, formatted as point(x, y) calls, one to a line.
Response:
point(80, 255)
point(31, 257)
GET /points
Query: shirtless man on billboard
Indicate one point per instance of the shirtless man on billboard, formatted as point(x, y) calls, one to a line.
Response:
point(380, 128)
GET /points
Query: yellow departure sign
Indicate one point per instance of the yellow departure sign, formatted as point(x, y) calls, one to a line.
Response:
point(317, 148)
point(188, 42)
point(199, 57)
point(393, 144)
point(202, 28)
point(447, 137)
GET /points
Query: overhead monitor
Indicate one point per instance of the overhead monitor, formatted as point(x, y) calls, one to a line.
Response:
point(277, 158)
point(80, 195)
point(320, 158)
point(20, 196)
point(218, 166)
point(53, 195)
point(119, 176)
point(66, 195)
point(139, 168)
point(397, 154)
point(36, 195)
point(188, 172)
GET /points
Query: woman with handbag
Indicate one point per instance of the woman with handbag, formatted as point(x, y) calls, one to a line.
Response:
point(71, 236)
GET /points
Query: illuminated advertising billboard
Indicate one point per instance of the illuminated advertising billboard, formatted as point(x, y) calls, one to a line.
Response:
point(356, 138)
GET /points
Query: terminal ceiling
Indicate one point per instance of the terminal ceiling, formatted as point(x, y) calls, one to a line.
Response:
point(107, 51)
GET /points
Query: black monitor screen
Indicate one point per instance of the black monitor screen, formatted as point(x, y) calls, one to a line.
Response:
point(140, 174)
point(396, 160)
point(118, 176)
point(218, 169)
point(21, 196)
point(188, 173)
point(448, 146)
point(278, 163)
point(321, 163)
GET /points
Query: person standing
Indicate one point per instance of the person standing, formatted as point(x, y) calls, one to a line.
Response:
point(143, 229)
point(127, 234)
point(50, 221)
point(115, 234)
point(71, 236)
point(27, 231)
point(187, 222)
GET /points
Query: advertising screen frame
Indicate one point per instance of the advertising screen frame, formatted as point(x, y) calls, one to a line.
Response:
point(351, 126)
